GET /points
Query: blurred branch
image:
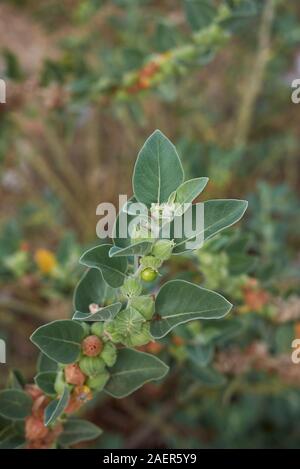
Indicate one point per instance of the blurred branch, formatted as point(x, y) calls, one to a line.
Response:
point(253, 85)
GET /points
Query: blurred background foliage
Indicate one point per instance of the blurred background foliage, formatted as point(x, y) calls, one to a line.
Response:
point(87, 82)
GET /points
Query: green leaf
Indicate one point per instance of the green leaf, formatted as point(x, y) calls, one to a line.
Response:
point(45, 380)
point(77, 430)
point(189, 190)
point(199, 13)
point(158, 170)
point(92, 289)
point(108, 313)
point(113, 270)
point(218, 215)
point(179, 301)
point(200, 354)
point(56, 407)
point(46, 364)
point(59, 340)
point(15, 404)
point(132, 370)
point(138, 249)
point(11, 437)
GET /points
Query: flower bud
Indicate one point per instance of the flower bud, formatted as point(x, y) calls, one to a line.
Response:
point(97, 328)
point(35, 429)
point(74, 375)
point(144, 305)
point(91, 346)
point(91, 366)
point(98, 382)
point(109, 354)
point(162, 249)
point(131, 287)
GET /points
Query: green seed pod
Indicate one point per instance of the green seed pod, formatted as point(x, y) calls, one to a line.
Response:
point(60, 383)
point(140, 338)
point(86, 328)
point(109, 354)
point(131, 287)
point(112, 332)
point(144, 305)
point(151, 261)
point(91, 366)
point(97, 328)
point(98, 382)
point(162, 249)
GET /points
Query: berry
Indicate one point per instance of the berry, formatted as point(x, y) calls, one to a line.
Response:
point(35, 429)
point(97, 328)
point(74, 375)
point(92, 366)
point(92, 346)
point(109, 354)
point(98, 382)
point(149, 275)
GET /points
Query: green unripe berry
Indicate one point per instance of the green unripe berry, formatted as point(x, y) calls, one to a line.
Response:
point(97, 328)
point(109, 354)
point(131, 287)
point(92, 366)
point(148, 275)
point(162, 249)
point(98, 382)
point(144, 305)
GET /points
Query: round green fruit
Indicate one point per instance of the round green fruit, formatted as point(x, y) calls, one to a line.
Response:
point(98, 382)
point(148, 275)
point(109, 354)
point(92, 366)
point(97, 328)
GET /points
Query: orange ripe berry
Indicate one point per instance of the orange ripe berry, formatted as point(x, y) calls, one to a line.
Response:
point(154, 347)
point(73, 406)
point(35, 429)
point(92, 346)
point(177, 340)
point(74, 375)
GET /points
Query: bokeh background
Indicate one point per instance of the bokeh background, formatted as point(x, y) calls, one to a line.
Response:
point(87, 82)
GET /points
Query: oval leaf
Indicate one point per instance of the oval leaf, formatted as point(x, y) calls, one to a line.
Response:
point(59, 340)
point(113, 270)
point(179, 301)
point(92, 289)
point(189, 190)
point(77, 430)
point(45, 380)
point(138, 249)
point(132, 370)
point(158, 170)
point(15, 404)
point(56, 407)
point(218, 215)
